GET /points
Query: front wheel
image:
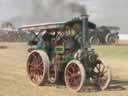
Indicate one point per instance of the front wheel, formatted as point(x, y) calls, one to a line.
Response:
point(74, 75)
point(94, 40)
point(102, 75)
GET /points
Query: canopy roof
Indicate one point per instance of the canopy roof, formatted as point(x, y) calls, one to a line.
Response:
point(54, 25)
point(43, 26)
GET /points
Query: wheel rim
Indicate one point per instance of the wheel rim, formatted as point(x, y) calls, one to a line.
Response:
point(52, 73)
point(74, 76)
point(95, 41)
point(35, 68)
point(102, 75)
point(111, 40)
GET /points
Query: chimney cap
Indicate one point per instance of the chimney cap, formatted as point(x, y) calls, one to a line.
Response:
point(84, 16)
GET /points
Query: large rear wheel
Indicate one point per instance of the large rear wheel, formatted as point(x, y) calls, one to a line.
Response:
point(74, 75)
point(37, 66)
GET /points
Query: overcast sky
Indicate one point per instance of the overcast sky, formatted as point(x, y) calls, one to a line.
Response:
point(102, 12)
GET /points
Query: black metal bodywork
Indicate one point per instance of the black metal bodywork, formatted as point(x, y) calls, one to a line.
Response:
point(103, 31)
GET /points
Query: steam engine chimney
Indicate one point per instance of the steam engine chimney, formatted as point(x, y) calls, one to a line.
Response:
point(85, 44)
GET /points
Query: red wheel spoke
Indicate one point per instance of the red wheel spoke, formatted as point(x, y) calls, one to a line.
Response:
point(76, 82)
point(31, 74)
point(75, 75)
point(31, 67)
point(34, 78)
point(34, 61)
point(33, 55)
point(72, 68)
point(69, 72)
point(69, 77)
point(39, 61)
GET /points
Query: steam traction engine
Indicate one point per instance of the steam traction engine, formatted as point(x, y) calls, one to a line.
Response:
point(104, 35)
point(108, 34)
point(66, 56)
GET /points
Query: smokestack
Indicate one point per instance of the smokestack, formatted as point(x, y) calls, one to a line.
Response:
point(85, 44)
point(84, 18)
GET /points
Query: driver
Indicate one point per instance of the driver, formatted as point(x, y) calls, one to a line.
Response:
point(48, 44)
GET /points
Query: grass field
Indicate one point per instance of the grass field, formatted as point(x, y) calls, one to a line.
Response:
point(14, 81)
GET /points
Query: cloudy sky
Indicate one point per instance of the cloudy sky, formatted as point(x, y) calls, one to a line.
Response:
point(102, 12)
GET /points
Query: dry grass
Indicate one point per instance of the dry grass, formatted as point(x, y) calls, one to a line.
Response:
point(14, 81)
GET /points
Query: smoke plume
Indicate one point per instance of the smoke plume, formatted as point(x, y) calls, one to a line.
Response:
point(51, 10)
